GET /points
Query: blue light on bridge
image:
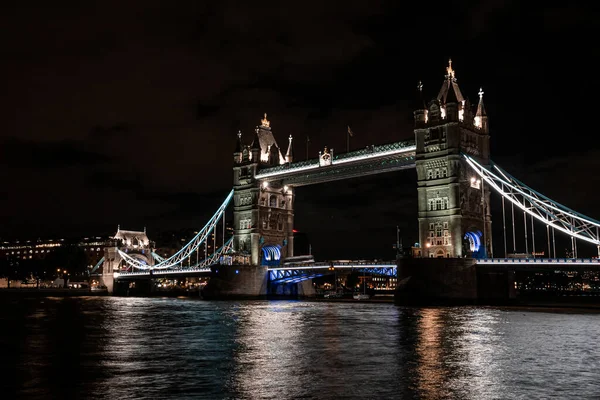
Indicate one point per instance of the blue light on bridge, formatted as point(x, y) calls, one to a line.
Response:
point(474, 241)
point(271, 254)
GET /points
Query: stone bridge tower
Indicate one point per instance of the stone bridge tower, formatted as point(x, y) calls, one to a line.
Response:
point(454, 212)
point(135, 243)
point(263, 216)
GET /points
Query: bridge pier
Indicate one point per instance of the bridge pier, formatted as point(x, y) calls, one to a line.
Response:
point(236, 282)
point(436, 281)
point(303, 289)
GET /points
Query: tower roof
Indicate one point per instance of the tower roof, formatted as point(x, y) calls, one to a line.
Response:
point(265, 140)
point(130, 236)
point(450, 92)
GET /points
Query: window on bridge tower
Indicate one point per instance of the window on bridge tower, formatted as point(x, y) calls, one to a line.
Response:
point(444, 172)
point(438, 230)
point(429, 174)
point(273, 201)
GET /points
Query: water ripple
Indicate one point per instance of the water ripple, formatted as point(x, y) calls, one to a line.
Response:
point(132, 348)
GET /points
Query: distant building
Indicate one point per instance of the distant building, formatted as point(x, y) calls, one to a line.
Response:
point(28, 249)
point(25, 250)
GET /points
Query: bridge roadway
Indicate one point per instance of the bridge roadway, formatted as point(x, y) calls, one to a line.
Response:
point(370, 160)
point(296, 272)
point(162, 273)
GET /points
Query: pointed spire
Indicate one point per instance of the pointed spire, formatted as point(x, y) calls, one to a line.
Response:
point(144, 229)
point(450, 73)
point(289, 155)
point(480, 121)
point(420, 104)
point(450, 91)
point(239, 146)
point(118, 228)
point(480, 107)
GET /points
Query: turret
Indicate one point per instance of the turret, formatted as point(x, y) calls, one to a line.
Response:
point(289, 156)
point(237, 153)
point(255, 147)
point(420, 109)
point(481, 120)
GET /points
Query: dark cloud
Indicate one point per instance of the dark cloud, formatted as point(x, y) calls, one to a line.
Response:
point(57, 154)
point(127, 112)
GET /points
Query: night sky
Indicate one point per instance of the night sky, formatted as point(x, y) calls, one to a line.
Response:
point(127, 112)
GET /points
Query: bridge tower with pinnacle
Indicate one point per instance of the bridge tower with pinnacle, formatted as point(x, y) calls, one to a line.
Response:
point(263, 214)
point(453, 203)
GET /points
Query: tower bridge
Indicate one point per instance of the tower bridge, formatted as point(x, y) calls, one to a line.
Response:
point(455, 179)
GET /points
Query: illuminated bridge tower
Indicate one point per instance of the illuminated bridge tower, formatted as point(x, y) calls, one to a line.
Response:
point(454, 213)
point(263, 212)
point(136, 244)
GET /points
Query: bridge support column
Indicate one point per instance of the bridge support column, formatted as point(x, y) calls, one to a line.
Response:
point(236, 282)
point(109, 267)
point(436, 281)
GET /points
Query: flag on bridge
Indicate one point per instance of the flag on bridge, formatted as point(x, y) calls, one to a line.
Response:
point(350, 131)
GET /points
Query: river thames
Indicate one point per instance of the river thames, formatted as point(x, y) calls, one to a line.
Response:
point(176, 348)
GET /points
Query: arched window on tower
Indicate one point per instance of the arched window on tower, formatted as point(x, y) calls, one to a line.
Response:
point(273, 201)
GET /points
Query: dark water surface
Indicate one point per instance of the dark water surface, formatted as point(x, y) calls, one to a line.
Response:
point(130, 348)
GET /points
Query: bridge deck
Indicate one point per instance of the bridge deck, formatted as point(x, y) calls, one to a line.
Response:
point(371, 160)
point(380, 267)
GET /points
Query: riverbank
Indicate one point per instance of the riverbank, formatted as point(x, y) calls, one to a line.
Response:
point(50, 292)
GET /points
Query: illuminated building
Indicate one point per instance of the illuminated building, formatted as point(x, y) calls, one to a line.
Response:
point(454, 213)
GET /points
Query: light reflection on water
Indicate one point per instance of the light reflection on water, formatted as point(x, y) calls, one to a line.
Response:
point(122, 348)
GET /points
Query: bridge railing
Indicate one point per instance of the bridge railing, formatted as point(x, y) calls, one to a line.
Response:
point(366, 153)
point(162, 272)
point(586, 261)
point(326, 264)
